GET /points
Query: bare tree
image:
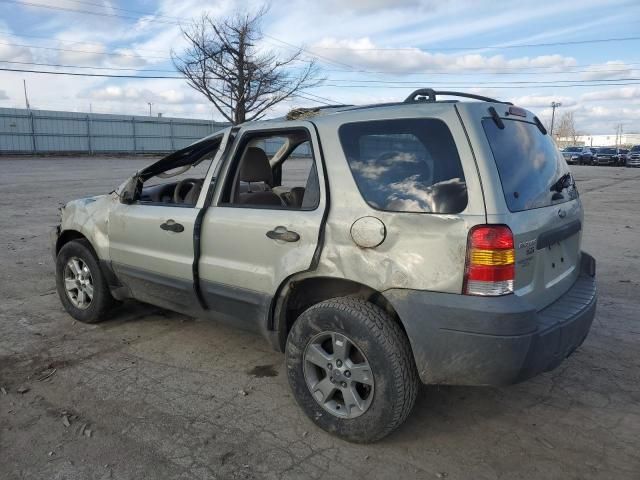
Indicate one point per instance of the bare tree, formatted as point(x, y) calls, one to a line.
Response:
point(242, 81)
point(566, 131)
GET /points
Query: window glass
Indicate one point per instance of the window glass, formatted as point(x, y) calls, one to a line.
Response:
point(529, 164)
point(407, 165)
point(291, 184)
point(180, 185)
point(297, 166)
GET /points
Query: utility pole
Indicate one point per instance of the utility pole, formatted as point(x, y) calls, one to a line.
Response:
point(149, 103)
point(554, 105)
point(26, 98)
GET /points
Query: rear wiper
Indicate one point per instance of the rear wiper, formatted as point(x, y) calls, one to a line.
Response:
point(563, 182)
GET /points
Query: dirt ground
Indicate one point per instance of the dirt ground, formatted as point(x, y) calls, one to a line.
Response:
point(154, 394)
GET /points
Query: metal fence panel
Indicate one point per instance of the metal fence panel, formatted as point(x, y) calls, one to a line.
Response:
point(43, 131)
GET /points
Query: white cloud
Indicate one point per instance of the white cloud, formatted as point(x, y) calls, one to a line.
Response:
point(377, 5)
point(363, 53)
point(82, 54)
point(539, 101)
point(3, 95)
point(115, 93)
point(622, 93)
point(12, 52)
point(612, 69)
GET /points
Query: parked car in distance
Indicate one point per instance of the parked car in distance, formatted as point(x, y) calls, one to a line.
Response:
point(577, 155)
point(418, 241)
point(606, 156)
point(621, 157)
point(633, 157)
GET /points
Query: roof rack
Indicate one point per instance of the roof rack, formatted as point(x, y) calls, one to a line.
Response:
point(429, 95)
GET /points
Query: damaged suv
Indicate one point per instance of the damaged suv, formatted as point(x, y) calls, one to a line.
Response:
point(377, 246)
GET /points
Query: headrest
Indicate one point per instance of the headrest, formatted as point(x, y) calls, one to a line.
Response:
point(255, 166)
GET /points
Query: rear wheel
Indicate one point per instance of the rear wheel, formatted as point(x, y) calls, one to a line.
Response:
point(81, 286)
point(351, 369)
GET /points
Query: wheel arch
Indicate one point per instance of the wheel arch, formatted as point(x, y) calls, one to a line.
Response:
point(299, 294)
point(67, 236)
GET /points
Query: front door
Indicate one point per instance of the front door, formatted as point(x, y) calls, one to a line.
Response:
point(151, 240)
point(264, 222)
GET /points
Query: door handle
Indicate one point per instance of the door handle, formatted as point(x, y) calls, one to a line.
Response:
point(172, 226)
point(281, 233)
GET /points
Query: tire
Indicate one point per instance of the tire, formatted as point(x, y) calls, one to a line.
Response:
point(101, 301)
point(383, 345)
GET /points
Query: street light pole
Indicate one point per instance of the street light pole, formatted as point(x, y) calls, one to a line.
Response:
point(554, 105)
point(149, 103)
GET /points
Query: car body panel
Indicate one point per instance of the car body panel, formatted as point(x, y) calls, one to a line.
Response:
point(424, 250)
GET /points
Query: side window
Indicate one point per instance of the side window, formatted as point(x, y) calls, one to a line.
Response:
point(179, 180)
point(297, 166)
point(407, 165)
point(274, 171)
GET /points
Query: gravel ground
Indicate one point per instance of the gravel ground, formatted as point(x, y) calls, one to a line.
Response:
point(154, 394)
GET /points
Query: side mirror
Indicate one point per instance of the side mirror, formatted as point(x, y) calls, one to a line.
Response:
point(129, 190)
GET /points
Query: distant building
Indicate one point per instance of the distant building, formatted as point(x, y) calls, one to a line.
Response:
point(602, 140)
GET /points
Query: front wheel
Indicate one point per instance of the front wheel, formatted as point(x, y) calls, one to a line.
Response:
point(351, 369)
point(81, 286)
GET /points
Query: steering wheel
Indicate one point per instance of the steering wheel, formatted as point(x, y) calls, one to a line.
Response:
point(183, 188)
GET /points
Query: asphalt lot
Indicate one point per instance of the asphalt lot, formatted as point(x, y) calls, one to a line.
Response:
point(153, 394)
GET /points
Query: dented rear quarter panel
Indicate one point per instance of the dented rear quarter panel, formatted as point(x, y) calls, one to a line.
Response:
point(421, 251)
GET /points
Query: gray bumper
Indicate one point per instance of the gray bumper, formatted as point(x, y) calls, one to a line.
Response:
point(465, 340)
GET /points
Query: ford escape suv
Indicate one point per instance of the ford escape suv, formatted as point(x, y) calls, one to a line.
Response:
point(378, 246)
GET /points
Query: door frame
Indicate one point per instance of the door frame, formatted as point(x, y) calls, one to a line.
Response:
point(230, 146)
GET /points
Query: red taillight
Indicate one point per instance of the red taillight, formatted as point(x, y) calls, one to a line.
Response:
point(490, 267)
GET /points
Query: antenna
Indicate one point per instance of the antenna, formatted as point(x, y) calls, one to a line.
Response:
point(26, 98)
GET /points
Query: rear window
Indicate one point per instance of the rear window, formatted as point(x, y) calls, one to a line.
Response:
point(408, 165)
point(529, 165)
point(607, 151)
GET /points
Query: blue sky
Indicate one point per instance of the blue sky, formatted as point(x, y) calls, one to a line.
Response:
point(369, 51)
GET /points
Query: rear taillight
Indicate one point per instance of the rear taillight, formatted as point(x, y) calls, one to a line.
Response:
point(490, 267)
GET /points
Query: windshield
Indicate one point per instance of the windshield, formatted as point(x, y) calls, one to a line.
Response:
point(608, 151)
point(532, 170)
point(573, 149)
point(635, 148)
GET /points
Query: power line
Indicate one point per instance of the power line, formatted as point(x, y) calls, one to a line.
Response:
point(579, 83)
point(70, 42)
point(58, 65)
point(490, 47)
point(86, 12)
point(113, 54)
point(566, 72)
point(485, 85)
point(510, 82)
point(77, 74)
point(495, 70)
point(102, 5)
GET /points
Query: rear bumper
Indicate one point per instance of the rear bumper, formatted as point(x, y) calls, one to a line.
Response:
point(464, 340)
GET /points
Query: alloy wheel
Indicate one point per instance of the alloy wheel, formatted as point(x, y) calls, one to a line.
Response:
point(338, 375)
point(78, 283)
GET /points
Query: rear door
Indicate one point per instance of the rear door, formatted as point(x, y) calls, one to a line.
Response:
point(249, 248)
point(532, 191)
